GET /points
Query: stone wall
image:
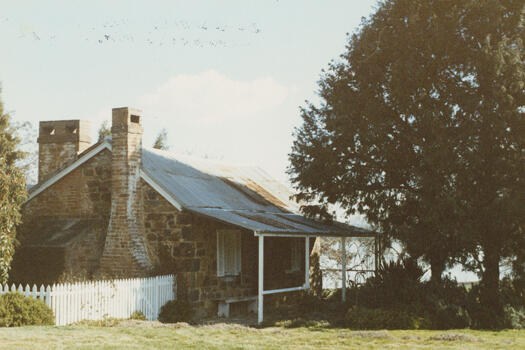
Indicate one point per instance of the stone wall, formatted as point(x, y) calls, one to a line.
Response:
point(125, 251)
point(85, 193)
point(186, 245)
point(59, 142)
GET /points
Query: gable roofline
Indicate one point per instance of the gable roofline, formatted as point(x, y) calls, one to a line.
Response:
point(157, 187)
point(87, 155)
point(265, 223)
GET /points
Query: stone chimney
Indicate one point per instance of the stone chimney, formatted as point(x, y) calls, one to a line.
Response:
point(125, 251)
point(59, 142)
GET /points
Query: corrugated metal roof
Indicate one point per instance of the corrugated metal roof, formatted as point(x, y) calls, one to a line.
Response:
point(201, 183)
point(245, 196)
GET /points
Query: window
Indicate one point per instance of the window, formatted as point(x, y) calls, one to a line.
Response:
point(295, 255)
point(228, 253)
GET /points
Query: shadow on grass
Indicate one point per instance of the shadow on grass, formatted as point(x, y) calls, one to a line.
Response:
point(321, 315)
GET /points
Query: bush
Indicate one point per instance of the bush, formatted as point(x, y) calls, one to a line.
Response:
point(446, 305)
point(512, 292)
point(364, 318)
point(514, 317)
point(176, 311)
point(395, 283)
point(138, 315)
point(310, 302)
point(18, 310)
point(449, 316)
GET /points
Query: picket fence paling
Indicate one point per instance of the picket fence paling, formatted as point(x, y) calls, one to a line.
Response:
point(72, 302)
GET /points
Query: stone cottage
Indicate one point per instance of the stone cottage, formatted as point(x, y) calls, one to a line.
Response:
point(230, 233)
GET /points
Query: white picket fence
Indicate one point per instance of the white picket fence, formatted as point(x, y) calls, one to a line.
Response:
point(72, 302)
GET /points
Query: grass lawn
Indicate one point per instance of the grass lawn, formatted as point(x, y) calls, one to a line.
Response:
point(152, 335)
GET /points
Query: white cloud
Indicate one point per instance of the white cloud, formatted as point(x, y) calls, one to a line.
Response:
point(210, 114)
point(210, 97)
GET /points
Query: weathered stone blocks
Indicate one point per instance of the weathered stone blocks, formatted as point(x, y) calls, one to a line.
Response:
point(125, 251)
point(59, 142)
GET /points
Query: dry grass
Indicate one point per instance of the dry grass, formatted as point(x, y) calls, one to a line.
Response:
point(456, 337)
point(370, 334)
point(135, 334)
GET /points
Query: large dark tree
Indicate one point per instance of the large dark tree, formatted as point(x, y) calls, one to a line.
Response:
point(421, 127)
point(12, 192)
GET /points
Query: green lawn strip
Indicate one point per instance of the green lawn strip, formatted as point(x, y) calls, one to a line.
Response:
point(238, 337)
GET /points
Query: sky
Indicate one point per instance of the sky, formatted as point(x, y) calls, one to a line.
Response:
point(225, 78)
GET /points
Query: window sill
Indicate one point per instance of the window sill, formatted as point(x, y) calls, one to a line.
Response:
point(229, 278)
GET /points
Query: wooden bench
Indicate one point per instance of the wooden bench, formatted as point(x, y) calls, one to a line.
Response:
point(223, 306)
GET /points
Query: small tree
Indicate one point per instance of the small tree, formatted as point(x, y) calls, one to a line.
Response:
point(104, 131)
point(27, 134)
point(161, 142)
point(12, 192)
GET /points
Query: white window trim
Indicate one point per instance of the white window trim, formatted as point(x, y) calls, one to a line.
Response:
point(235, 236)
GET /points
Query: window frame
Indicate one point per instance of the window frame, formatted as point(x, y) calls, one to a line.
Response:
point(235, 239)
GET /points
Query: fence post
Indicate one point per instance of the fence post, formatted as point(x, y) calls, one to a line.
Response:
point(156, 292)
point(47, 298)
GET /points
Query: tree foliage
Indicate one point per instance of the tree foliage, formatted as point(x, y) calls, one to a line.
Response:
point(104, 131)
point(27, 134)
point(12, 192)
point(421, 128)
point(161, 142)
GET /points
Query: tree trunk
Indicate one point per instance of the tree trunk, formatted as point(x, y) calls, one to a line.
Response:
point(489, 297)
point(437, 266)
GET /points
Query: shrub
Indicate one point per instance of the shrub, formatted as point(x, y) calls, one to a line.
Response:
point(449, 316)
point(514, 317)
point(138, 315)
point(446, 305)
point(395, 283)
point(18, 310)
point(512, 292)
point(176, 311)
point(364, 318)
point(311, 302)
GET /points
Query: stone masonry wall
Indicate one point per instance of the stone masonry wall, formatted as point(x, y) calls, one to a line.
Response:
point(52, 156)
point(186, 245)
point(59, 142)
point(83, 193)
point(125, 251)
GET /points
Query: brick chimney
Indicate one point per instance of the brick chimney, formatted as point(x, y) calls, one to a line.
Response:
point(125, 251)
point(59, 142)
